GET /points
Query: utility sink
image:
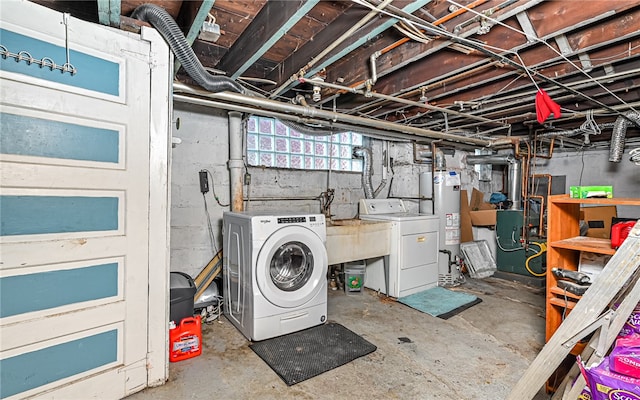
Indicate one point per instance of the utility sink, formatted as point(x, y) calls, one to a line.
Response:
point(356, 239)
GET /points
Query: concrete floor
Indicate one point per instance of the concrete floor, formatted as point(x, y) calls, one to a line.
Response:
point(477, 354)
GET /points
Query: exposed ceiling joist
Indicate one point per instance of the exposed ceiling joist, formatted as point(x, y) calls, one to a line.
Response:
point(478, 63)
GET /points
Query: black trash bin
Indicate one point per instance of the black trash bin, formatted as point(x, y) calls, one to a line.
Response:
point(182, 289)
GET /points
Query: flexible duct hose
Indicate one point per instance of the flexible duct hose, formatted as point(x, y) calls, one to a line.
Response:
point(367, 186)
point(618, 135)
point(164, 23)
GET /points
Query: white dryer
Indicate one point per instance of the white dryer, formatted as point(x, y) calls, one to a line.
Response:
point(275, 272)
point(412, 265)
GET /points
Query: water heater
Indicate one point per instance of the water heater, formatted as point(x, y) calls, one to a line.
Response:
point(444, 188)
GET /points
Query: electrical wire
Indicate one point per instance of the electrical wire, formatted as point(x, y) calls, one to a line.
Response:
point(537, 39)
point(213, 190)
point(212, 236)
point(507, 250)
point(581, 169)
point(483, 47)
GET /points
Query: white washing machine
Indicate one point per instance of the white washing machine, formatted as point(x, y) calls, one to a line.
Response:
point(275, 272)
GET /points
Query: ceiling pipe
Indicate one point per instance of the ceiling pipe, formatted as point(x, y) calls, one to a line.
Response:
point(376, 133)
point(516, 99)
point(371, 132)
point(518, 102)
point(328, 117)
point(497, 56)
point(401, 100)
point(374, 56)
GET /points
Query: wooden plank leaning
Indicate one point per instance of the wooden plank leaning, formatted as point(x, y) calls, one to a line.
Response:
point(614, 278)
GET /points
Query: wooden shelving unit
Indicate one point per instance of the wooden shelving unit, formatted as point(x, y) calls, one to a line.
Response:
point(563, 251)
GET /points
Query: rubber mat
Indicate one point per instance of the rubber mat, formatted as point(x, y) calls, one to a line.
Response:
point(302, 355)
point(440, 302)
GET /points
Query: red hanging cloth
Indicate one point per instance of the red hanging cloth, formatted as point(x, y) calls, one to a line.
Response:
point(545, 106)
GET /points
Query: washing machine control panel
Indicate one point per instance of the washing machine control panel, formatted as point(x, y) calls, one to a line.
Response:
point(294, 220)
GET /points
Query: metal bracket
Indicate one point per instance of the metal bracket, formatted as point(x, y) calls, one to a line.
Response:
point(603, 323)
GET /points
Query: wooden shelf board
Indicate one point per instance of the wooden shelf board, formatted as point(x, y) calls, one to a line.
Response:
point(562, 303)
point(562, 292)
point(584, 243)
point(622, 201)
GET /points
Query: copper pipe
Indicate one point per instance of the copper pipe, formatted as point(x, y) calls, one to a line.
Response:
point(550, 150)
point(437, 22)
point(525, 188)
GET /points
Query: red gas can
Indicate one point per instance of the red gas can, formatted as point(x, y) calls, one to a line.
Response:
point(185, 339)
point(619, 232)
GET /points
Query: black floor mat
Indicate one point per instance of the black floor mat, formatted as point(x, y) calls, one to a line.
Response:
point(302, 355)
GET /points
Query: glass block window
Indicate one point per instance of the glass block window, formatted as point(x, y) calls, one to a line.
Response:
point(270, 143)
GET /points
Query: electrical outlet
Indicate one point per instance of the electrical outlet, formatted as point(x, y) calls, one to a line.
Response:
point(247, 179)
point(204, 182)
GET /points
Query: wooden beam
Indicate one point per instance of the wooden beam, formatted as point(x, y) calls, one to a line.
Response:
point(109, 12)
point(365, 34)
point(427, 71)
point(321, 40)
point(270, 25)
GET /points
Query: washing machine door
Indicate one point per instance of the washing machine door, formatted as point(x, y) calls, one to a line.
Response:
point(292, 266)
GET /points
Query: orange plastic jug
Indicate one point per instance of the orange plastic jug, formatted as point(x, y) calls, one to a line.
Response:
point(185, 339)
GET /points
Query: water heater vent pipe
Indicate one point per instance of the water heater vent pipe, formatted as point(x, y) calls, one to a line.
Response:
point(514, 171)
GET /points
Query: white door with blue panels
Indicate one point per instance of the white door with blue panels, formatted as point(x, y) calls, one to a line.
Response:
point(84, 122)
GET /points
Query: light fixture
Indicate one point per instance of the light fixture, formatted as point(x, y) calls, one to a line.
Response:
point(316, 89)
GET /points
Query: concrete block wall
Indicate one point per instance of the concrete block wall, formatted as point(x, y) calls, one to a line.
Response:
point(204, 135)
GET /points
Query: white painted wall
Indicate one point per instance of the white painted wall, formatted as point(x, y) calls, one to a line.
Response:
point(204, 135)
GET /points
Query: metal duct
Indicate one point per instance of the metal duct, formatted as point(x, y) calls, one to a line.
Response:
point(515, 184)
point(514, 173)
point(619, 133)
point(367, 186)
